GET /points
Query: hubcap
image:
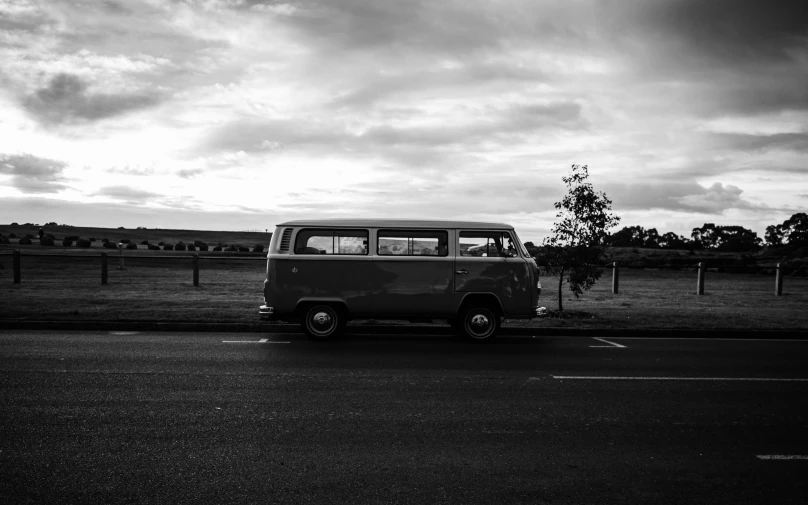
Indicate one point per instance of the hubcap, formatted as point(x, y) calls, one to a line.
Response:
point(322, 322)
point(479, 321)
point(480, 325)
point(322, 318)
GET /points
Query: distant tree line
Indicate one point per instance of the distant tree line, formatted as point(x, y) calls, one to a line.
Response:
point(792, 232)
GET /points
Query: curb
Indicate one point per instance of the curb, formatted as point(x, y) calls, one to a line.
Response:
point(394, 329)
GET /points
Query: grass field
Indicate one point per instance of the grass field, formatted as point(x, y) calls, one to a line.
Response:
point(55, 287)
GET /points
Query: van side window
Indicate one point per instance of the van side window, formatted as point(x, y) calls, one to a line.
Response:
point(331, 242)
point(413, 243)
point(486, 244)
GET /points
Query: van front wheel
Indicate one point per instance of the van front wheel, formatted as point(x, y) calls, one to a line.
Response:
point(479, 323)
point(322, 322)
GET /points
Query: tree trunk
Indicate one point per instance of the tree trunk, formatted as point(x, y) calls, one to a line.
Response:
point(560, 285)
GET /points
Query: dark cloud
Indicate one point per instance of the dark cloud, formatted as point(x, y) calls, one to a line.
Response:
point(254, 136)
point(732, 31)
point(724, 56)
point(65, 99)
point(189, 173)
point(31, 174)
point(357, 24)
point(115, 7)
point(126, 193)
point(747, 142)
point(678, 196)
point(377, 88)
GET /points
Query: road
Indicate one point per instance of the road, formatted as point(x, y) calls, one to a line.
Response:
point(129, 417)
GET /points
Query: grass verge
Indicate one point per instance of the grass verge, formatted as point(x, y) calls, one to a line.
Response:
point(58, 288)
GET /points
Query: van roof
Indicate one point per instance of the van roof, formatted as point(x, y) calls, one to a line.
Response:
point(394, 223)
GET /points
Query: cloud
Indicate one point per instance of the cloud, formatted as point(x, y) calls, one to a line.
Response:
point(66, 99)
point(715, 199)
point(678, 196)
point(388, 140)
point(731, 32)
point(127, 193)
point(31, 174)
point(716, 57)
point(132, 170)
point(458, 77)
point(189, 173)
point(746, 142)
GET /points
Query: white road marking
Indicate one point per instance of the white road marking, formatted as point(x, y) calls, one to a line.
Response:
point(769, 379)
point(719, 339)
point(605, 342)
point(782, 456)
point(262, 341)
point(124, 332)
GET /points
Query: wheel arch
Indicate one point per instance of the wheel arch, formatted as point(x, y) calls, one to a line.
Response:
point(488, 299)
point(304, 303)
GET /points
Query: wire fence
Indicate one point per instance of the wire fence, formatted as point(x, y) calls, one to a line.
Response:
point(83, 264)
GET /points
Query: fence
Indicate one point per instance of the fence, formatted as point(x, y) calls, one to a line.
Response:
point(194, 261)
point(104, 258)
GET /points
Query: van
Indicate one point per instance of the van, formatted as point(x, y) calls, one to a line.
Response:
point(325, 272)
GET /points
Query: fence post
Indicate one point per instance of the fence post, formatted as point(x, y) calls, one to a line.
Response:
point(615, 278)
point(104, 269)
point(700, 285)
point(16, 266)
point(778, 282)
point(196, 269)
point(120, 247)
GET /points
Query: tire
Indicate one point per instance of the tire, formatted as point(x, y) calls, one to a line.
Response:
point(479, 323)
point(322, 322)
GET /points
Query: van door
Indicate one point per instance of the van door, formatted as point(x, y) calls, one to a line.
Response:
point(415, 272)
point(489, 262)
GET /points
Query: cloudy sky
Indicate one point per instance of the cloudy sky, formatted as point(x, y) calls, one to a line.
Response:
point(238, 114)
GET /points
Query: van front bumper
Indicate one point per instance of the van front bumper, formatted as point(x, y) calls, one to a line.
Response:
point(266, 313)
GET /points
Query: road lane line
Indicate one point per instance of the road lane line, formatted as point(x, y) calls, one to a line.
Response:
point(262, 341)
point(764, 379)
point(781, 456)
point(605, 342)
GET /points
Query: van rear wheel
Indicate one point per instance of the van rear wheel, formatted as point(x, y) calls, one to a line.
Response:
point(479, 323)
point(322, 322)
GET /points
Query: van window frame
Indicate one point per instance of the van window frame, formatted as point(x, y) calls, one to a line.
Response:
point(335, 233)
point(511, 234)
point(409, 234)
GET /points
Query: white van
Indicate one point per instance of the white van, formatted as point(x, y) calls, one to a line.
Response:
point(325, 272)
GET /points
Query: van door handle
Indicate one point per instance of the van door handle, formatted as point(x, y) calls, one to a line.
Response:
point(461, 272)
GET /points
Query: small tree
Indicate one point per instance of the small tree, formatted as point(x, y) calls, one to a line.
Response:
point(576, 244)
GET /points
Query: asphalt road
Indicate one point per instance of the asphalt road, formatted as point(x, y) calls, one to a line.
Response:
point(122, 417)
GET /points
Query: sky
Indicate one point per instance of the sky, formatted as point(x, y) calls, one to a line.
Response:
point(241, 114)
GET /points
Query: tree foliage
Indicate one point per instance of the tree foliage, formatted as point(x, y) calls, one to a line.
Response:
point(575, 247)
point(725, 238)
point(635, 236)
point(793, 231)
